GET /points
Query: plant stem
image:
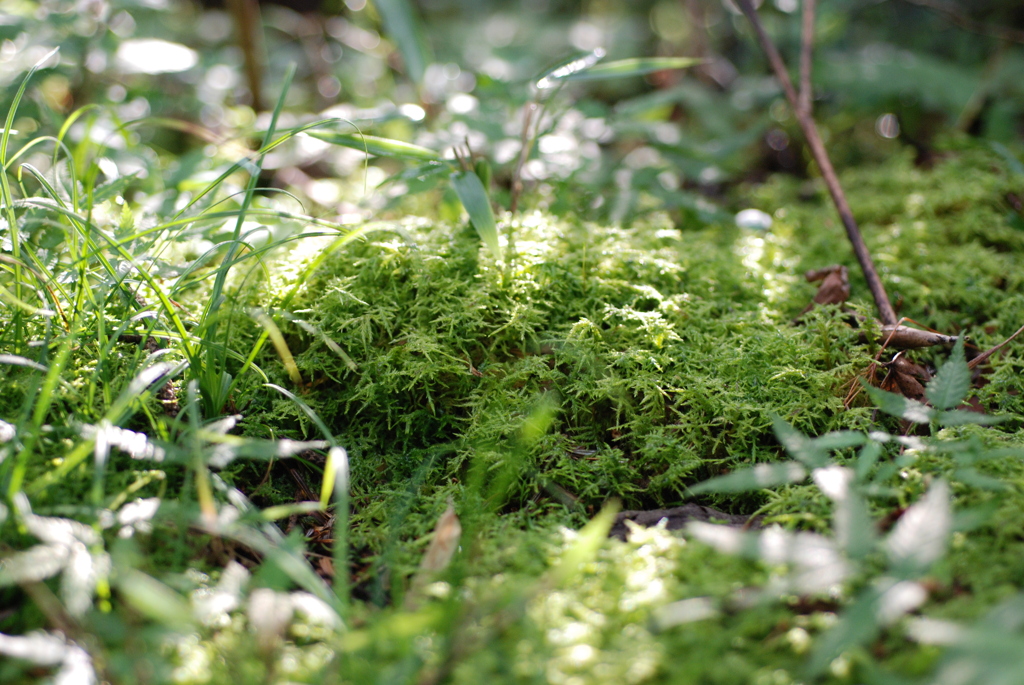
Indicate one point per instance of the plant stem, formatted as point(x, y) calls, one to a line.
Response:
point(249, 26)
point(524, 152)
point(806, 50)
point(828, 173)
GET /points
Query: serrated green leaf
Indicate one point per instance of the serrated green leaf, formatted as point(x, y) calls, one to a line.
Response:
point(379, 147)
point(854, 527)
point(756, 478)
point(962, 417)
point(976, 479)
point(866, 459)
point(114, 188)
point(898, 405)
point(799, 446)
point(951, 383)
point(856, 627)
point(471, 192)
point(402, 26)
point(838, 440)
point(631, 67)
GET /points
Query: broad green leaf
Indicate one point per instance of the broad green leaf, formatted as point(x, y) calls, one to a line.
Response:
point(920, 536)
point(403, 27)
point(575, 64)
point(756, 478)
point(631, 67)
point(951, 383)
point(900, 406)
point(154, 600)
point(857, 626)
point(379, 147)
point(961, 417)
point(483, 170)
point(854, 527)
point(838, 440)
point(471, 192)
point(976, 479)
point(866, 459)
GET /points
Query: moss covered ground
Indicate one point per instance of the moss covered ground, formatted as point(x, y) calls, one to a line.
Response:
point(633, 362)
point(595, 363)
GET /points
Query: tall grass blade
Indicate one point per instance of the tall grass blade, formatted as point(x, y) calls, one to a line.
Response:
point(573, 65)
point(376, 146)
point(213, 372)
point(336, 479)
point(403, 27)
point(625, 68)
point(586, 545)
point(5, 187)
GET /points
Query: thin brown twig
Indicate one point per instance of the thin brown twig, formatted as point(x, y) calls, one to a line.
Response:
point(806, 50)
point(980, 359)
point(249, 26)
point(828, 173)
point(524, 151)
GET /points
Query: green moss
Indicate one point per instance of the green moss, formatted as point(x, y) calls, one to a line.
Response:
point(666, 351)
point(662, 347)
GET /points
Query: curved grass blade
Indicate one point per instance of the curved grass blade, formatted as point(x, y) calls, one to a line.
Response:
point(624, 68)
point(471, 192)
point(5, 187)
point(586, 545)
point(403, 27)
point(87, 229)
point(574, 65)
point(307, 410)
point(378, 147)
point(280, 344)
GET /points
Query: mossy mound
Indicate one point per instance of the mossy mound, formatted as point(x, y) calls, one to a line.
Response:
point(666, 349)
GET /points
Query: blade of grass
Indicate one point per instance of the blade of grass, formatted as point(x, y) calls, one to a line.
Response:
point(624, 68)
point(471, 192)
point(5, 187)
point(575, 64)
point(212, 369)
point(377, 146)
point(402, 25)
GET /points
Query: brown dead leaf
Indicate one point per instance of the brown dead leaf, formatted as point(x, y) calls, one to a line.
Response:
point(439, 553)
point(446, 540)
point(835, 284)
point(905, 377)
point(834, 288)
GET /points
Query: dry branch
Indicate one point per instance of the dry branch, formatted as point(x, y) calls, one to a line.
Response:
point(806, 50)
point(810, 131)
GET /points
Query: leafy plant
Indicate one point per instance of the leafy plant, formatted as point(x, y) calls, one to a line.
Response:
point(820, 565)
